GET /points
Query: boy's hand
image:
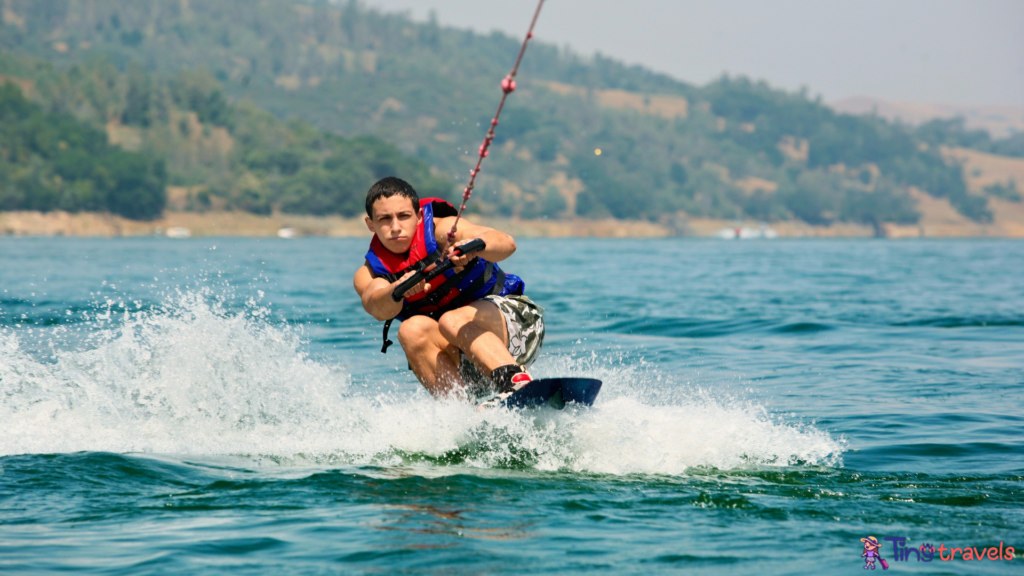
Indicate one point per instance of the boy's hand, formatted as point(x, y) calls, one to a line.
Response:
point(460, 262)
point(411, 291)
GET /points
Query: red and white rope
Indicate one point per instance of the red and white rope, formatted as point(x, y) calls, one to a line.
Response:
point(508, 85)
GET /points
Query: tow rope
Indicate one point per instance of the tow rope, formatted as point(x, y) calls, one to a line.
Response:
point(508, 85)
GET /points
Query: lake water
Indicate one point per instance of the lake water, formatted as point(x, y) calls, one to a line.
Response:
point(222, 405)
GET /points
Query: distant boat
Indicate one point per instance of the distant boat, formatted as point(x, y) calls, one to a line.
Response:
point(287, 233)
point(179, 232)
point(742, 233)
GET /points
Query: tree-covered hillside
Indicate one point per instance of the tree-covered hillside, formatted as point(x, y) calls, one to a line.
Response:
point(51, 161)
point(178, 130)
point(732, 148)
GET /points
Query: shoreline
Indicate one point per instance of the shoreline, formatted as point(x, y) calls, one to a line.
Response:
point(244, 224)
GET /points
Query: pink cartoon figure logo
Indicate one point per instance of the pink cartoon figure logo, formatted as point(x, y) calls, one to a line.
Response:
point(870, 554)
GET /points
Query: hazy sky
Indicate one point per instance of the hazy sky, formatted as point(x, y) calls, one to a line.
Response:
point(968, 52)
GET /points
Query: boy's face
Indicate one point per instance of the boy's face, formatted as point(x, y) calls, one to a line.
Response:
point(394, 222)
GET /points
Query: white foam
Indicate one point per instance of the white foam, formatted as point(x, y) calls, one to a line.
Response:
point(193, 379)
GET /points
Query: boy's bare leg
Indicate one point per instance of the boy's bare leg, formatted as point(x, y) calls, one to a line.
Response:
point(434, 360)
point(432, 347)
point(479, 330)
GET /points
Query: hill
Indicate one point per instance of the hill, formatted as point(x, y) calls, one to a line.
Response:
point(178, 130)
point(734, 148)
point(51, 161)
point(999, 121)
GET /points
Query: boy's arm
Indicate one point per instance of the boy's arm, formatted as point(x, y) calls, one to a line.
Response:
point(376, 293)
point(499, 245)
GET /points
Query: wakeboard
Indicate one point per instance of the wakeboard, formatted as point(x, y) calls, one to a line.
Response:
point(554, 392)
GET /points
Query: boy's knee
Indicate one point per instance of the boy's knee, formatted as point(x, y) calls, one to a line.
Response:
point(415, 332)
point(452, 321)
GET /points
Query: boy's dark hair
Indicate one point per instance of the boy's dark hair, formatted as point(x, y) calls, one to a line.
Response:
point(388, 187)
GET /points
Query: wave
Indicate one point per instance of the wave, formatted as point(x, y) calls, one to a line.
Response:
point(705, 328)
point(963, 322)
point(715, 328)
point(193, 378)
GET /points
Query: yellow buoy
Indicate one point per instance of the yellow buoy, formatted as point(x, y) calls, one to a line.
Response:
point(597, 152)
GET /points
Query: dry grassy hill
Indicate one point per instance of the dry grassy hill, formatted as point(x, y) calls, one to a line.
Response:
point(1000, 121)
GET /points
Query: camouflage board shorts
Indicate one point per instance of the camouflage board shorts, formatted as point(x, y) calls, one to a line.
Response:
point(525, 323)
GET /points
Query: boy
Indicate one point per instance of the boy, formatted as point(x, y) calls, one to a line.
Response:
point(470, 332)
